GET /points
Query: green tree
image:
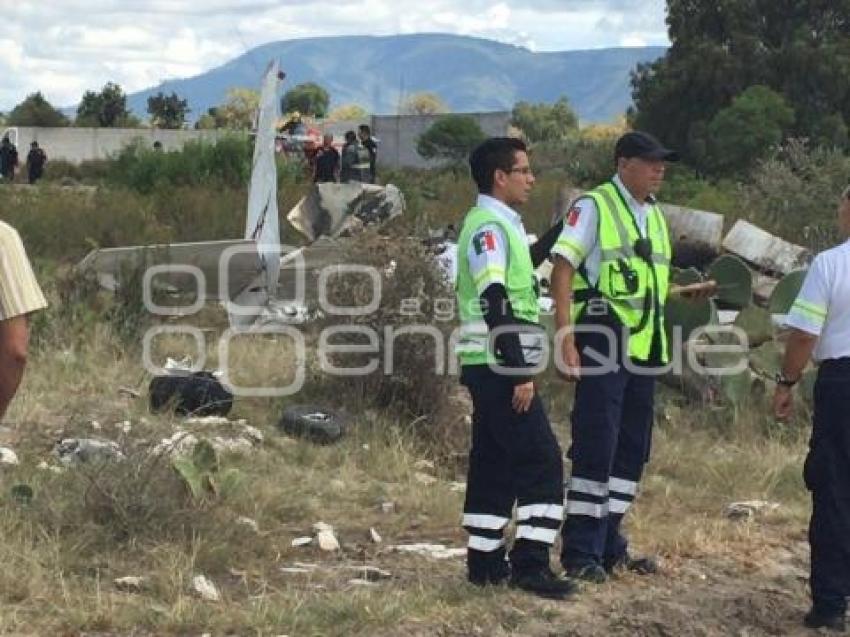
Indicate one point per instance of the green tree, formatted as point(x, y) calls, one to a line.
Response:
point(308, 99)
point(36, 111)
point(107, 109)
point(167, 111)
point(348, 112)
point(800, 49)
point(423, 103)
point(237, 112)
point(747, 130)
point(541, 122)
point(451, 137)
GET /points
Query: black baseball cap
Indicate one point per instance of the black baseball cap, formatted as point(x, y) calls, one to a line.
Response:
point(643, 145)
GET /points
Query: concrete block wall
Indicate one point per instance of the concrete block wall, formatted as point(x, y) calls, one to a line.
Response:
point(81, 144)
point(397, 136)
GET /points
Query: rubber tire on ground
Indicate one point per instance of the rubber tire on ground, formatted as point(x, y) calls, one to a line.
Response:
point(198, 394)
point(313, 423)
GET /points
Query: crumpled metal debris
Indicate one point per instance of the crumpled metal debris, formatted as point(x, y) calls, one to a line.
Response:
point(8, 456)
point(334, 209)
point(72, 451)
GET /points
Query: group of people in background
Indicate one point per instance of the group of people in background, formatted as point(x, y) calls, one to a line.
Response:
point(356, 162)
point(36, 159)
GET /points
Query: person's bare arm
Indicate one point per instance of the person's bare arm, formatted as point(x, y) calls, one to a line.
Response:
point(798, 351)
point(562, 292)
point(14, 342)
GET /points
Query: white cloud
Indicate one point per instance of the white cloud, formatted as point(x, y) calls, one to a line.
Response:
point(65, 47)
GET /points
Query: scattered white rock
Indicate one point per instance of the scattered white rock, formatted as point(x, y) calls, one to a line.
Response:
point(338, 485)
point(424, 465)
point(294, 570)
point(129, 391)
point(205, 588)
point(375, 536)
point(254, 435)
point(365, 447)
point(435, 551)
point(181, 443)
point(73, 451)
point(7, 456)
point(750, 508)
point(424, 478)
point(237, 445)
point(248, 522)
point(325, 537)
point(207, 420)
point(96, 425)
point(130, 584)
point(457, 487)
point(124, 426)
point(388, 507)
point(301, 541)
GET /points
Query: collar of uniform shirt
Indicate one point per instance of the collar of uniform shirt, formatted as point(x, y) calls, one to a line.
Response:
point(628, 195)
point(493, 204)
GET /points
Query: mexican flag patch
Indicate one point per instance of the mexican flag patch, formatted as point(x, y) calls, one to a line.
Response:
point(484, 242)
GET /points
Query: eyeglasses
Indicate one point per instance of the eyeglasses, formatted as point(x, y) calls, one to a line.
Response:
point(525, 170)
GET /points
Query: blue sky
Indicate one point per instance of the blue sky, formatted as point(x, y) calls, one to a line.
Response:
point(65, 47)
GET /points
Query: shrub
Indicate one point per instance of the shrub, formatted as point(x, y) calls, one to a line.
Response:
point(795, 192)
point(451, 138)
point(414, 294)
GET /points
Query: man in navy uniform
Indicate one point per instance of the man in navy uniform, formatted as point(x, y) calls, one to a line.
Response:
point(820, 328)
point(611, 274)
point(515, 458)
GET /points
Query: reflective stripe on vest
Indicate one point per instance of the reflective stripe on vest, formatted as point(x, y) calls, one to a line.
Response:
point(634, 288)
point(473, 345)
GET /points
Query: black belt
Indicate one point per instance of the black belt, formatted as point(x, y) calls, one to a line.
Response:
point(586, 294)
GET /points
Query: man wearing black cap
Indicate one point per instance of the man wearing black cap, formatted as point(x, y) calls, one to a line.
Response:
point(609, 283)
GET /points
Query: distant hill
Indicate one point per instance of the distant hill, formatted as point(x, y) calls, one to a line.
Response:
point(470, 74)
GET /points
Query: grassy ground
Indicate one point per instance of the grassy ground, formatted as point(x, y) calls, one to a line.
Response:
point(85, 527)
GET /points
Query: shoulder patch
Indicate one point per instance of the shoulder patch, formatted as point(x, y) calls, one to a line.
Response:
point(572, 216)
point(484, 241)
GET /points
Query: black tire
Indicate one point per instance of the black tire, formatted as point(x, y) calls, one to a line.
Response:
point(198, 394)
point(313, 423)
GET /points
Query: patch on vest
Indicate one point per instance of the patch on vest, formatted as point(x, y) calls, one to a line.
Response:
point(572, 216)
point(484, 241)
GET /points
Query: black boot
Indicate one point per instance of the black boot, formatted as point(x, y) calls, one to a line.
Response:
point(816, 618)
point(487, 569)
point(494, 575)
point(591, 572)
point(644, 565)
point(544, 583)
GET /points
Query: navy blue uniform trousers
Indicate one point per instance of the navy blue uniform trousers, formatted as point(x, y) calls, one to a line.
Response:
point(515, 459)
point(611, 432)
point(827, 475)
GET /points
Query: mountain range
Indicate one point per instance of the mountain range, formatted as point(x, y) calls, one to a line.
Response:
point(469, 74)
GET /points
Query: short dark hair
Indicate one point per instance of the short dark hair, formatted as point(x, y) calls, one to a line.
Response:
point(847, 192)
point(350, 136)
point(496, 153)
point(364, 128)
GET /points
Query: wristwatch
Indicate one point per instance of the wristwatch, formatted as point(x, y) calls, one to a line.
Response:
point(782, 379)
